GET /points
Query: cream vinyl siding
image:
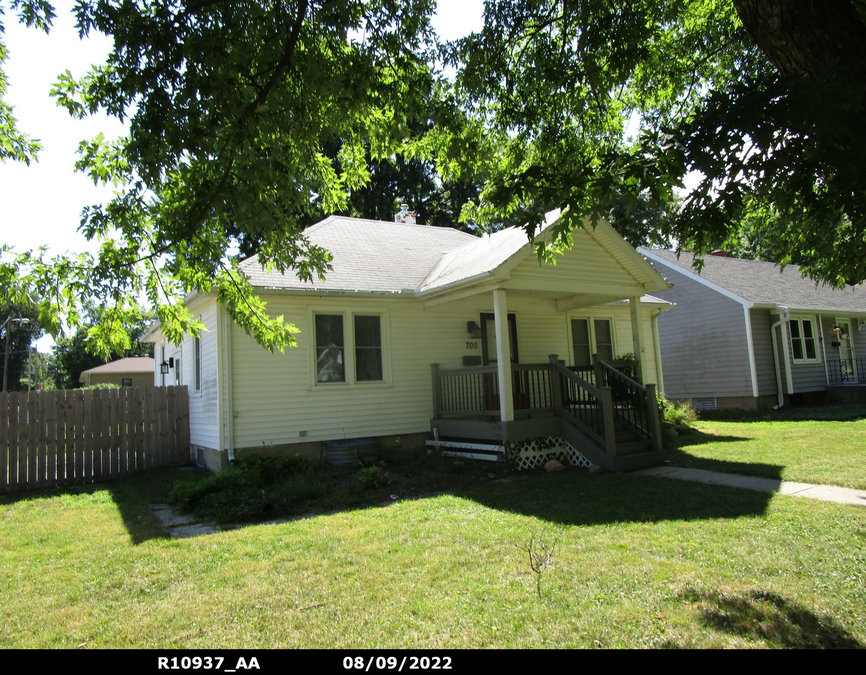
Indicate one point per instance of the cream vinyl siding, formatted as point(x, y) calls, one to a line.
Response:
point(703, 341)
point(586, 261)
point(275, 397)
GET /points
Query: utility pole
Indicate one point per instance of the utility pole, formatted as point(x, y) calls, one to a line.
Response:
point(8, 328)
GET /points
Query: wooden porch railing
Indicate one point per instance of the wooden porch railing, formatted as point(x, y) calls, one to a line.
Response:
point(474, 392)
point(585, 406)
point(598, 409)
point(635, 405)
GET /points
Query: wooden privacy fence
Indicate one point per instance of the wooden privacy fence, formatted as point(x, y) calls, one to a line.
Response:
point(81, 436)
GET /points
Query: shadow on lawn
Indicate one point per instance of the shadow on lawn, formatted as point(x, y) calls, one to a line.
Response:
point(680, 456)
point(766, 616)
point(132, 495)
point(578, 498)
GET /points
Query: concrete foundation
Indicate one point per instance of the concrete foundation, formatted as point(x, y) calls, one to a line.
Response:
point(217, 460)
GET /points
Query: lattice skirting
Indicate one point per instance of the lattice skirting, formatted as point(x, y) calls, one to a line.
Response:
point(534, 452)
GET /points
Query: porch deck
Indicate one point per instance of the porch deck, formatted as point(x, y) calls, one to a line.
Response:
point(604, 415)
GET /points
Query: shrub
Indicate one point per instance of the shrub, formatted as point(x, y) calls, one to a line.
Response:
point(373, 477)
point(680, 416)
point(252, 488)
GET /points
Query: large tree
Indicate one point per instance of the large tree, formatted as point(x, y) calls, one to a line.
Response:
point(764, 98)
point(232, 107)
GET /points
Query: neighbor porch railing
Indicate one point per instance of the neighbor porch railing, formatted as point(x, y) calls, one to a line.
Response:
point(846, 371)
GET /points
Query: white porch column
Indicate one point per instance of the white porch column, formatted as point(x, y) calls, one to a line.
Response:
point(637, 337)
point(503, 356)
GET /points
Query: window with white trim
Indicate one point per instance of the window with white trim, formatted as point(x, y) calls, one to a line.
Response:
point(804, 347)
point(591, 336)
point(349, 348)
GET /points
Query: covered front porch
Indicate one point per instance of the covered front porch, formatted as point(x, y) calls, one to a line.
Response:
point(600, 410)
point(548, 371)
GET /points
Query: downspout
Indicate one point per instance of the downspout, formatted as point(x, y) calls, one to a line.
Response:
point(784, 316)
point(230, 412)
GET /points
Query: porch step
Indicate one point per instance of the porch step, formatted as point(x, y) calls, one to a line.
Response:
point(635, 448)
point(484, 451)
point(638, 461)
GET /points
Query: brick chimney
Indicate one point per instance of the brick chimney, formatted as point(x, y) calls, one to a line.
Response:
point(405, 215)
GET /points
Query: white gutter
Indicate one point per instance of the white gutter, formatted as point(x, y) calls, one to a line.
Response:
point(750, 344)
point(785, 315)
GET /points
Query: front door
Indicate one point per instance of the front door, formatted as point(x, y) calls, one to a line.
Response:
point(846, 350)
point(488, 355)
point(488, 338)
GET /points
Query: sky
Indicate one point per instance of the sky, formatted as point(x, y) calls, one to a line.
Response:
point(42, 202)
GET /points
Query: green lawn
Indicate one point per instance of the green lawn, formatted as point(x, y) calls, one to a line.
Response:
point(637, 562)
point(821, 451)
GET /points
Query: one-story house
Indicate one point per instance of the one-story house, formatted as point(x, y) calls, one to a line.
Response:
point(133, 371)
point(430, 334)
point(749, 334)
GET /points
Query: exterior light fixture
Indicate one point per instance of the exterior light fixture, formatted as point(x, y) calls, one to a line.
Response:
point(474, 330)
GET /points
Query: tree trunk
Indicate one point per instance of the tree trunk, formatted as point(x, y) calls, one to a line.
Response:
point(808, 37)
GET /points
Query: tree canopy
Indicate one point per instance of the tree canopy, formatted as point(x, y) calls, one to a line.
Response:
point(245, 117)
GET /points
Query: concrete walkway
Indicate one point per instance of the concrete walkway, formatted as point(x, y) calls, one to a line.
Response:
point(827, 493)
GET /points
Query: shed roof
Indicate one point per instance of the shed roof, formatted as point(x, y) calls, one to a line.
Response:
point(766, 283)
point(129, 365)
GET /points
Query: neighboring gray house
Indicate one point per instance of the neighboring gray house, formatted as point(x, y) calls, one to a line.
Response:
point(747, 334)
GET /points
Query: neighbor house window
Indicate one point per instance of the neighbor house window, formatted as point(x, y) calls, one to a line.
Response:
point(196, 357)
point(177, 377)
point(803, 345)
point(368, 349)
point(330, 348)
point(126, 382)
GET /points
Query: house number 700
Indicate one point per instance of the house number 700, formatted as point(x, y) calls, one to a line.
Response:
point(471, 345)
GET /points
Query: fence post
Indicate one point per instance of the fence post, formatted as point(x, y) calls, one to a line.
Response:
point(4, 442)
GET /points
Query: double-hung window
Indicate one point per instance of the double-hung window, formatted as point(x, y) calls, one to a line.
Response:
point(591, 336)
point(349, 348)
point(368, 348)
point(803, 340)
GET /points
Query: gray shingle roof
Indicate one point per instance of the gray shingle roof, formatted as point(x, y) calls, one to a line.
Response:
point(368, 256)
point(765, 283)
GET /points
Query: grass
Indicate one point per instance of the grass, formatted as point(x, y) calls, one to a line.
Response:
point(638, 562)
point(825, 446)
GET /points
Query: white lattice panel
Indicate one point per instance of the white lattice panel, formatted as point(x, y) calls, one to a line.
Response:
point(535, 452)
